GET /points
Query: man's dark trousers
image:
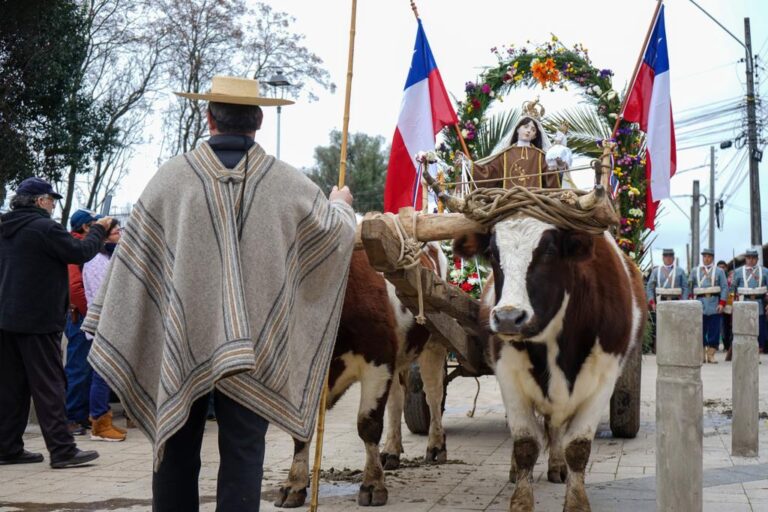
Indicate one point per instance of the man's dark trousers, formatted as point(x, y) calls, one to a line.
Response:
point(30, 365)
point(241, 450)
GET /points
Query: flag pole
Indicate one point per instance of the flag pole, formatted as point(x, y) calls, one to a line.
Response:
point(313, 505)
point(637, 68)
point(456, 125)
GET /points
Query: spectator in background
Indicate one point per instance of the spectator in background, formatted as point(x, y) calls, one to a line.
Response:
point(77, 369)
point(34, 253)
point(102, 428)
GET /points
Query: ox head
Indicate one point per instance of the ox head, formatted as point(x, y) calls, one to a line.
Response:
point(534, 269)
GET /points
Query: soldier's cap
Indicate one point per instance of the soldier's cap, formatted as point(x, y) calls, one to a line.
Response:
point(708, 251)
point(751, 252)
point(668, 252)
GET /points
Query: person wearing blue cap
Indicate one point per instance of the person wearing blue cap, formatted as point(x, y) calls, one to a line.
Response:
point(34, 254)
point(710, 287)
point(750, 283)
point(77, 369)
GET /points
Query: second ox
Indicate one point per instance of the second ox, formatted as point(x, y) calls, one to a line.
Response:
point(564, 310)
point(377, 341)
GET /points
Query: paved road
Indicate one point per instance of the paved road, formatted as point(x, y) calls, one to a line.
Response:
point(620, 475)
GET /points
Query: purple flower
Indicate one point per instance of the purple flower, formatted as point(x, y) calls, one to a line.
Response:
point(469, 87)
point(486, 89)
point(605, 72)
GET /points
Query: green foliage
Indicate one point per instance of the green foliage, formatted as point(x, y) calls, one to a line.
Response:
point(366, 168)
point(585, 127)
point(48, 126)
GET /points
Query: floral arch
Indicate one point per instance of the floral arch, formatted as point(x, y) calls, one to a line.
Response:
point(554, 66)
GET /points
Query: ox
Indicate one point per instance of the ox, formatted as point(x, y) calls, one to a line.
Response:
point(377, 341)
point(564, 310)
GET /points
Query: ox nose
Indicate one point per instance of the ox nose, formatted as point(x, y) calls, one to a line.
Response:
point(509, 320)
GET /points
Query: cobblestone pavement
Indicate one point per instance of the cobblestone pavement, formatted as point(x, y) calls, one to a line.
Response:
point(620, 476)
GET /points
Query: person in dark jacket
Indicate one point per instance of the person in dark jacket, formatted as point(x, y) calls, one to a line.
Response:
point(34, 286)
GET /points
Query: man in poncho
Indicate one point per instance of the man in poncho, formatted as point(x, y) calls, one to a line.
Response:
point(229, 277)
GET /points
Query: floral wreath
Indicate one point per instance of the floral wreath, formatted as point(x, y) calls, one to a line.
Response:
point(554, 66)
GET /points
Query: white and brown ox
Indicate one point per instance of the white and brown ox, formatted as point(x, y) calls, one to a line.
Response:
point(377, 341)
point(564, 311)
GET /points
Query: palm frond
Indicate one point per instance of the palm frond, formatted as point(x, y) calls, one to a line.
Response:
point(585, 128)
point(492, 131)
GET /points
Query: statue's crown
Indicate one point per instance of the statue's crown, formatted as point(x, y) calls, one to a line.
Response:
point(533, 109)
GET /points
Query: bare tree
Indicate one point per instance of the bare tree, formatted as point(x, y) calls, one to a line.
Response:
point(212, 37)
point(270, 45)
point(204, 36)
point(124, 55)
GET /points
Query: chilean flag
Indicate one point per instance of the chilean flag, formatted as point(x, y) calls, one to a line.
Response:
point(649, 104)
point(424, 111)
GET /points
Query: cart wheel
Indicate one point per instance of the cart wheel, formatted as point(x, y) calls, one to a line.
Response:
point(415, 408)
point(625, 402)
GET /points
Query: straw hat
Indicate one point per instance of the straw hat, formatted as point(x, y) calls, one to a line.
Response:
point(235, 90)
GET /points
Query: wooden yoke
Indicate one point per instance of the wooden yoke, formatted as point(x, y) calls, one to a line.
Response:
point(378, 234)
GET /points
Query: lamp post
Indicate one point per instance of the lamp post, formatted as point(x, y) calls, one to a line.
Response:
point(280, 84)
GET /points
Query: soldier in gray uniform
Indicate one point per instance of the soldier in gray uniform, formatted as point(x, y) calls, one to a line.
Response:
point(666, 282)
point(750, 282)
point(710, 287)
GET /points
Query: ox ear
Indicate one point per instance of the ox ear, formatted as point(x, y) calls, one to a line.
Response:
point(471, 244)
point(578, 246)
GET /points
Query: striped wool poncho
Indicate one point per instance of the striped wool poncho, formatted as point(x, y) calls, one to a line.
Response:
point(196, 297)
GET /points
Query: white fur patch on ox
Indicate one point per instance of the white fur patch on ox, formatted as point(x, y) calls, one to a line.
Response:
point(579, 409)
point(516, 239)
point(373, 381)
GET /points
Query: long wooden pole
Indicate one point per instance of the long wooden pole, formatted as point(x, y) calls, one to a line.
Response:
point(348, 96)
point(342, 178)
point(637, 68)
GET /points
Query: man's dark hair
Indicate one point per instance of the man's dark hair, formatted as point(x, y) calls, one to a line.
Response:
point(721, 262)
point(232, 118)
point(23, 201)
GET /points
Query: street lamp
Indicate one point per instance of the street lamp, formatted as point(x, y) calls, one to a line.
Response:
point(280, 84)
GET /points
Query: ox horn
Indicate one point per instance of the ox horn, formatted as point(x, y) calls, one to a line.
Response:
point(590, 199)
point(455, 204)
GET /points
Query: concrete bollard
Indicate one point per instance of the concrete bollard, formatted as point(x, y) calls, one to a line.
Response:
point(679, 407)
point(745, 375)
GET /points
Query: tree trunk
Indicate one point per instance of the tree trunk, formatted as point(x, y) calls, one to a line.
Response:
point(65, 210)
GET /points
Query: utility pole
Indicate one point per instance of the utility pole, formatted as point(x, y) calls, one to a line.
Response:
point(695, 226)
point(712, 197)
point(756, 228)
point(754, 178)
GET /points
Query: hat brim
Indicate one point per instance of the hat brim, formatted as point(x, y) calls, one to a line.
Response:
point(235, 100)
point(56, 196)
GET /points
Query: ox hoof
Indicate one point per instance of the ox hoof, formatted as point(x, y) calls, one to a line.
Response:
point(557, 473)
point(369, 496)
point(390, 460)
point(289, 498)
point(436, 454)
point(522, 498)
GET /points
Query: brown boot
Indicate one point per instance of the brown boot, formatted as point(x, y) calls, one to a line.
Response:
point(104, 431)
point(711, 355)
point(704, 358)
point(729, 354)
point(121, 430)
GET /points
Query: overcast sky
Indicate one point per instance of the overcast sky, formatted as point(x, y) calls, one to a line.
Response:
point(706, 68)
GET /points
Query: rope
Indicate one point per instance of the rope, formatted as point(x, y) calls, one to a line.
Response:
point(554, 206)
point(410, 257)
point(519, 176)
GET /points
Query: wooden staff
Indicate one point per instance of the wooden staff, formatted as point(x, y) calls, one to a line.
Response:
point(637, 68)
point(342, 177)
point(347, 97)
